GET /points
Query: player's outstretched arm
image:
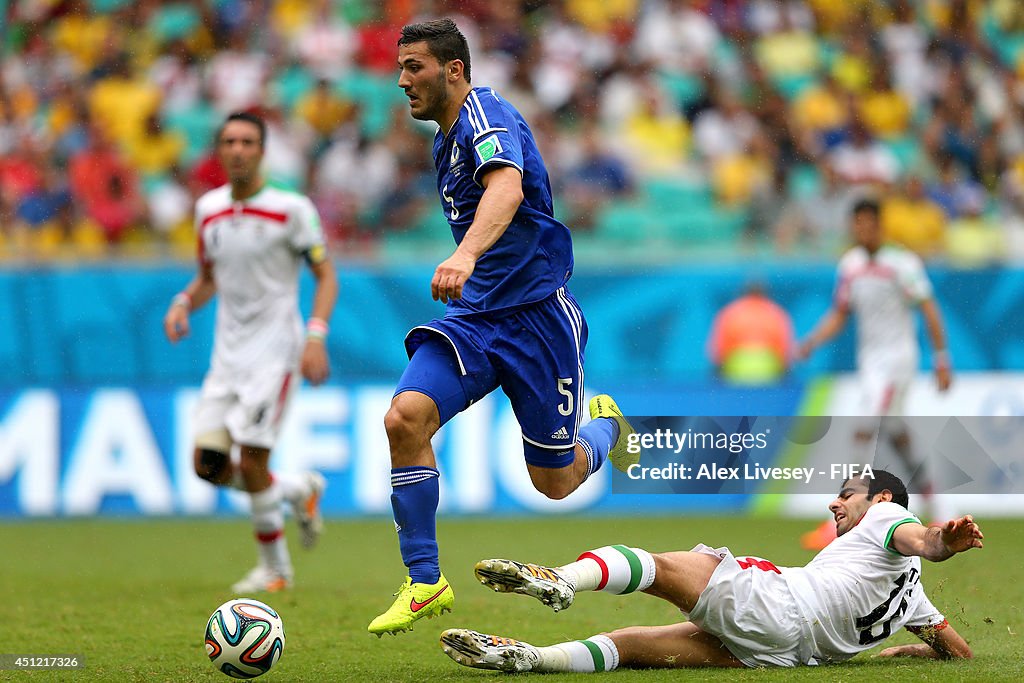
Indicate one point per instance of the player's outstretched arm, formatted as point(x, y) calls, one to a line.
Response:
point(937, 543)
point(503, 193)
point(830, 325)
point(940, 642)
point(199, 291)
point(315, 364)
point(940, 356)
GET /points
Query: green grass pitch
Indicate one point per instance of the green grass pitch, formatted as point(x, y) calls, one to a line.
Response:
point(133, 597)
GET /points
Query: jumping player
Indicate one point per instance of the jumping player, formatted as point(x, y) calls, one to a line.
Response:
point(745, 611)
point(252, 239)
point(510, 319)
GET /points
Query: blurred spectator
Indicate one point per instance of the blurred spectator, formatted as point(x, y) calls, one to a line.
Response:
point(170, 207)
point(178, 76)
point(776, 16)
point(208, 173)
point(597, 178)
point(324, 111)
point(913, 220)
point(751, 340)
point(21, 171)
point(974, 240)
point(820, 113)
point(120, 102)
point(106, 187)
point(769, 204)
point(906, 41)
point(237, 75)
point(325, 43)
point(654, 138)
point(851, 67)
point(737, 177)
point(675, 35)
point(953, 190)
point(819, 219)
point(862, 160)
point(153, 151)
point(883, 109)
point(724, 130)
point(49, 201)
point(788, 50)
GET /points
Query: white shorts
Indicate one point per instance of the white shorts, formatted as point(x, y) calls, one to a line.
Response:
point(751, 610)
point(249, 405)
point(883, 393)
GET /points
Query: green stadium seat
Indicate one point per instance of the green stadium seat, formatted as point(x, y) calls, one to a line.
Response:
point(668, 194)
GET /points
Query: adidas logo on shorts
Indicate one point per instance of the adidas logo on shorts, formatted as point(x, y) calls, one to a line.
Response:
point(562, 433)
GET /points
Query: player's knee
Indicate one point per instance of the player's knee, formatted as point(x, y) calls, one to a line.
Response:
point(555, 489)
point(405, 424)
point(250, 468)
point(212, 465)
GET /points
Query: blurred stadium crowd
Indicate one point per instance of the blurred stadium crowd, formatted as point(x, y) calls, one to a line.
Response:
point(730, 125)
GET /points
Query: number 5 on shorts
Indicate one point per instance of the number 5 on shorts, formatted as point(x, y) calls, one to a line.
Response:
point(563, 388)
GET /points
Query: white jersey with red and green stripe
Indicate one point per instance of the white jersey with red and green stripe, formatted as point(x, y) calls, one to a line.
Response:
point(882, 290)
point(255, 248)
point(858, 591)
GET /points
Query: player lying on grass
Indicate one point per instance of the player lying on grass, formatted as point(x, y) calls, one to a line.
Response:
point(745, 611)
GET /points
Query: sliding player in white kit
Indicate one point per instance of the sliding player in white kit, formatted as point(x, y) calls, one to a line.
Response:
point(253, 239)
point(745, 611)
point(882, 284)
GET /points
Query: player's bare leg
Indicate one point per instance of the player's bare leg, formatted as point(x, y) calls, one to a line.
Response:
point(214, 466)
point(274, 570)
point(605, 437)
point(557, 483)
point(674, 646)
point(680, 577)
point(410, 423)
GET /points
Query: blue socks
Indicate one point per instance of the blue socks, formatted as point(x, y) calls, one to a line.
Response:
point(597, 438)
point(414, 501)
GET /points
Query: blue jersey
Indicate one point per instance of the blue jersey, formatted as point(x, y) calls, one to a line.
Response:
point(533, 258)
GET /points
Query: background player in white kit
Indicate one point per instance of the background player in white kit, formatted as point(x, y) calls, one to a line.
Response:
point(882, 284)
point(745, 611)
point(252, 241)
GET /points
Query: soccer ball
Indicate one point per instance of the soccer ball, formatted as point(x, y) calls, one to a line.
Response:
point(244, 638)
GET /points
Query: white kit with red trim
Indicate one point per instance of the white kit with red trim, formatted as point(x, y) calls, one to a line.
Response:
point(255, 248)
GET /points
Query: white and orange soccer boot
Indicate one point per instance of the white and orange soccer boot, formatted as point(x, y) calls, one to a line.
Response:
point(263, 579)
point(543, 583)
point(307, 510)
point(484, 651)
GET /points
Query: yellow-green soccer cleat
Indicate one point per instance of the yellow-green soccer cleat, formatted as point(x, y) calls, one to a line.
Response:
point(414, 601)
point(603, 405)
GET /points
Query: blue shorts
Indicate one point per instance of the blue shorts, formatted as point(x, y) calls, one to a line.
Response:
point(534, 353)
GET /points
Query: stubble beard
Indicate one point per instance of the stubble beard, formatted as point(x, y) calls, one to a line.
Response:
point(438, 102)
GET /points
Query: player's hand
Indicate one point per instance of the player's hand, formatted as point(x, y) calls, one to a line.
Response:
point(176, 325)
point(943, 377)
point(803, 350)
point(315, 366)
point(450, 276)
point(962, 534)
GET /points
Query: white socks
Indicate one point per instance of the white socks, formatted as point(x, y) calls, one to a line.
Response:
point(613, 568)
point(268, 523)
point(595, 654)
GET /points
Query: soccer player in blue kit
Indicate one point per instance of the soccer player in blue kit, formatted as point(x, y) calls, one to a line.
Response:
point(510, 320)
